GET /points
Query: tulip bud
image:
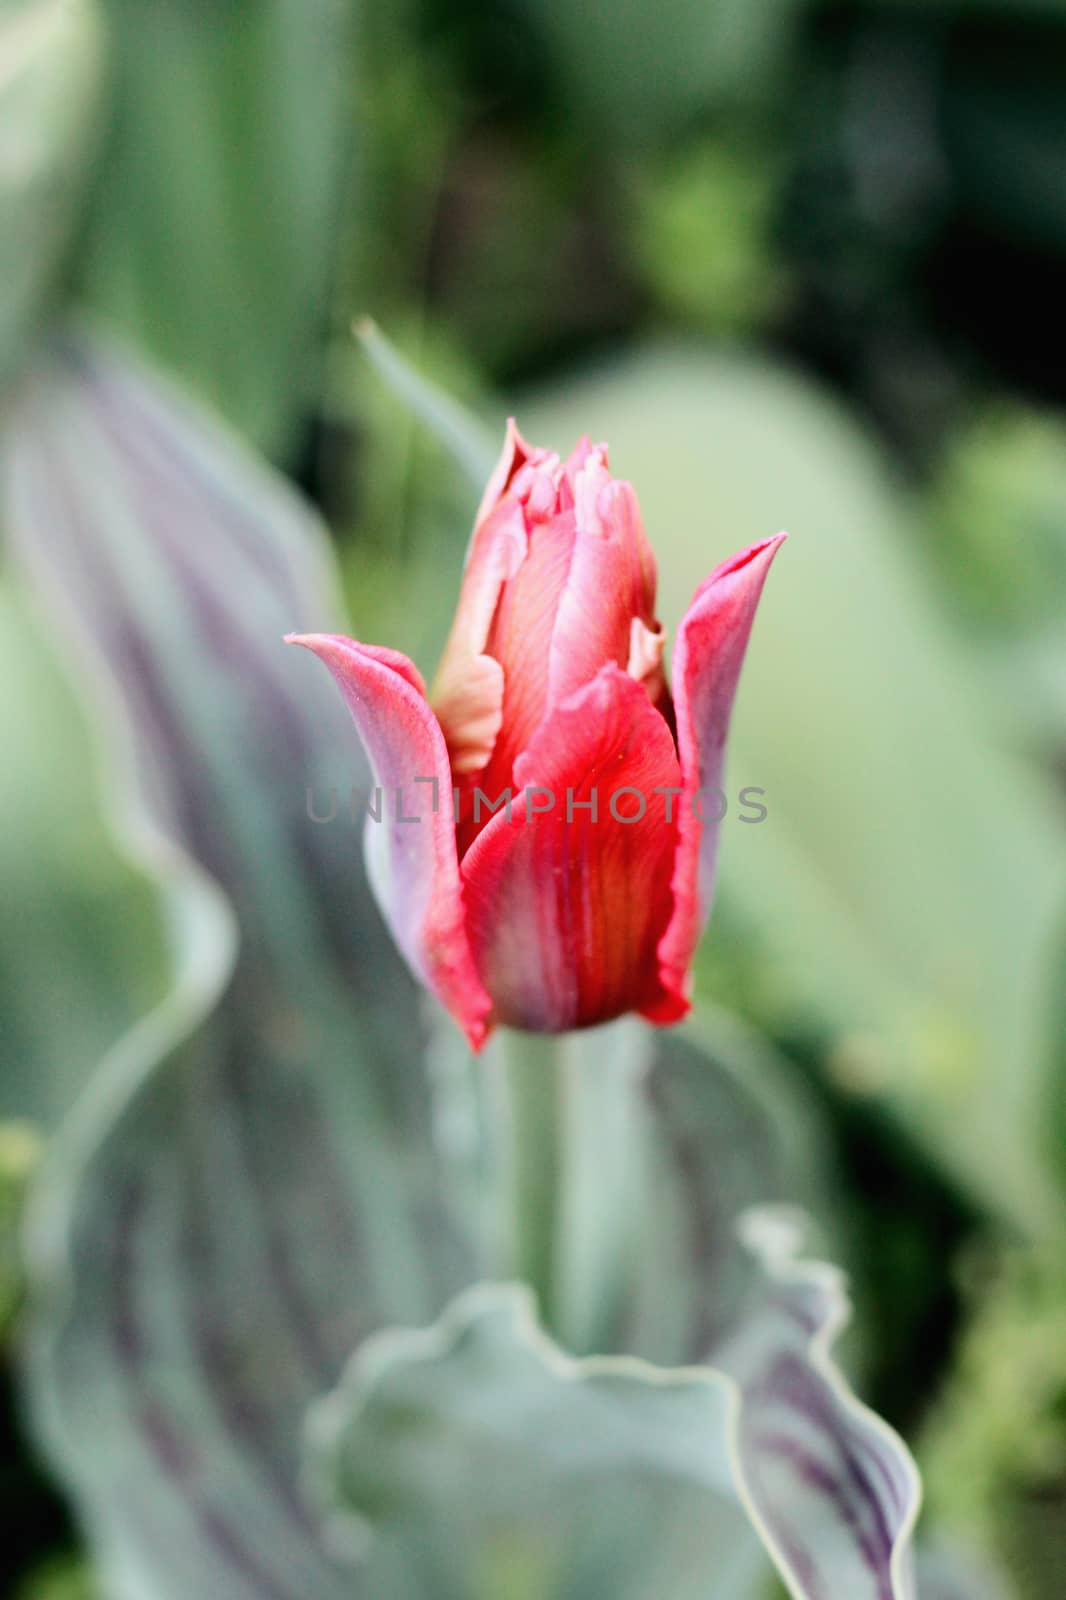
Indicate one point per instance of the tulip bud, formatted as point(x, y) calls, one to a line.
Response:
point(573, 881)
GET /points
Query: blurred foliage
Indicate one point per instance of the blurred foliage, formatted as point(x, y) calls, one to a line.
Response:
point(886, 951)
point(700, 233)
point(67, 889)
point(68, 1579)
point(52, 75)
point(998, 546)
point(20, 1154)
point(995, 1455)
point(621, 75)
point(282, 1086)
point(1001, 536)
point(865, 200)
point(219, 202)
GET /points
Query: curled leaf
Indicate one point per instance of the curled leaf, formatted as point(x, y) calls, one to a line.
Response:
point(481, 1443)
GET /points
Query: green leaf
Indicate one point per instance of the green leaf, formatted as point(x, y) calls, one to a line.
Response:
point(82, 950)
point(517, 1470)
point(251, 1182)
point(213, 236)
point(51, 81)
point(903, 885)
point(520, 1472)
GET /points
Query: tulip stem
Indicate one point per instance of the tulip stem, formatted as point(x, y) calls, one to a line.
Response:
point(535, 1091)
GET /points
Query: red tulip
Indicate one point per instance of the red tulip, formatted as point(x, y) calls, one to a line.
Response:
point(583, 896)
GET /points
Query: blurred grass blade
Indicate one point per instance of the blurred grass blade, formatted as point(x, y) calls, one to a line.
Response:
point(454, 428)
point(51, 93)
point(251, 1184)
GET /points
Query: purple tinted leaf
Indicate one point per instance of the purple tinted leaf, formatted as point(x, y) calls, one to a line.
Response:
point(833, 1488)
point(249, 1186)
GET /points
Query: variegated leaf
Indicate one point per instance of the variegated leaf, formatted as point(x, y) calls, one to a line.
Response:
point(249, 1185)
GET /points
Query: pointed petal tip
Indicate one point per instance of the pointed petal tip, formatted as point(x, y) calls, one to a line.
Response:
point(515, 439)
point(477, 1035)
point(311, 641)
point(416, 883)
point(712, 642)
point(761, 552)
point(674, 1006)
point(753, 562)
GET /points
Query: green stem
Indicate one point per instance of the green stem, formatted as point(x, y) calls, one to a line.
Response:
point(533, 1066)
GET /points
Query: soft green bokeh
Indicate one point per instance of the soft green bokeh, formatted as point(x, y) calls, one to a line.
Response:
point(219, 206)
point(801, 266)
point(871, 889)
point(82, 952)
point(52, 91)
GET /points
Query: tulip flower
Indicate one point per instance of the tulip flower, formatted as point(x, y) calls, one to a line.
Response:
point(545, 852)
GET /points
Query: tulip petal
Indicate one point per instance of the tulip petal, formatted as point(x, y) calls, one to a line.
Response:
point(515, 453)
point(575, 461)
point(411, 852)
point(610, 581)
point(565, 913)
point(570, 607)
point(708, 656)
point(469, 686)
point(520, 639)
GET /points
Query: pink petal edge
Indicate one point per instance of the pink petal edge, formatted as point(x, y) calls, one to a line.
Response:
point(708, 656)
point(515, 451)
point(414, 865)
